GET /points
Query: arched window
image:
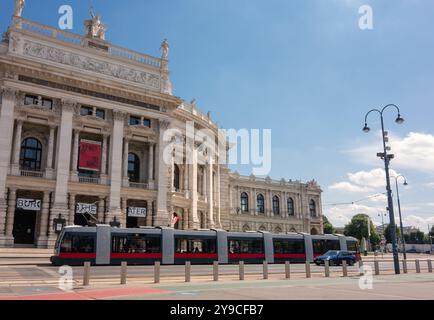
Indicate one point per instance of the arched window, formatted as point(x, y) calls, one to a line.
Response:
point(313, 231)
point(133, 167)
point(176, 180)
point(262, 228)
point(31, 154)
point(291, 210)
point(260, 204)
point(277, 230)
point(244, 202)
point(312, 208)
point(246, 228)
point(276, 206)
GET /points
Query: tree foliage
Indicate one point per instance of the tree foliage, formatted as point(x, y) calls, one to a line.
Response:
point(388, 234)
point(328, 227)
point(358, 228)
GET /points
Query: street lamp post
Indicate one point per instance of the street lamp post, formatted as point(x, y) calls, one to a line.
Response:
point(400, 215)
point(386, 157)
point(382, 215)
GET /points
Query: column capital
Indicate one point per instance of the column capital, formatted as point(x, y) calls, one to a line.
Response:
point(119, 115)
point(68, 105)
point(164, 124)
point(9, 93)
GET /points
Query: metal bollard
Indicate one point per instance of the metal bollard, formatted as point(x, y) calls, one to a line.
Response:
point(157, 271)
point(429, 266)
point(287, 270)
point(327, 268)
point(216, 270)
point(361, 268)
point(417, 266)
point(124, 272)
point(265, 270)
point(377, 268)
point(308, 269)
point(86, 274)
point(187, 271)
point(344, 268)
point(241, 270)
point(404, 266)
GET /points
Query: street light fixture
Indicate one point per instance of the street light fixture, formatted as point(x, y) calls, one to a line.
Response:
point(400, 215)
point(387, 158)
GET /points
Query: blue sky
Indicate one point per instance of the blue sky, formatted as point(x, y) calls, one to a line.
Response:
point(304, 69)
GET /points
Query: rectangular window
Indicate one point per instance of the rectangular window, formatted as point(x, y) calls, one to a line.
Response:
point(194, 245)
point(77, 243)
point(47, 103)
point(30, 100)
point(100, 114)
point(134, 121)
point(246, 246)
point(288, 246)
point(140, 243)
point(86, 111)
point(147, 123)
point(352, 246)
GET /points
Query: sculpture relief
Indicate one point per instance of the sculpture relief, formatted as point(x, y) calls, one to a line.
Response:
point(9, 93)
point(19, 7)
point(33, 49)
point(165, 48)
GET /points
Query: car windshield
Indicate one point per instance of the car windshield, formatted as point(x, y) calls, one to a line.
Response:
point(331, 253)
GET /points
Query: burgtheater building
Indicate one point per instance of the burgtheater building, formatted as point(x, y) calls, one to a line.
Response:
point(81, 142)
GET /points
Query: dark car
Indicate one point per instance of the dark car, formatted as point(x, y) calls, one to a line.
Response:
point(335, 258)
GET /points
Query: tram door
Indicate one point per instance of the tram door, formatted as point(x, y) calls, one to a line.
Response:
point(24, 227)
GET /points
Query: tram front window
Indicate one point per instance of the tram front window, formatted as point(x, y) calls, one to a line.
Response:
point(78, 243)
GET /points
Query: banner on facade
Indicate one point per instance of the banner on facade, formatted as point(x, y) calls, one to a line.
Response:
point(90, 155)
point(83, 208)
point(29, 204)
point(135, 212)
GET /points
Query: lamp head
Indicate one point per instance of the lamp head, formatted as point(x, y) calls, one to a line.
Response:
point(399, 120)
point(405, 183)
point(366, 129)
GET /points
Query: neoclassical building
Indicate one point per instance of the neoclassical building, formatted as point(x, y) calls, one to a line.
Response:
point(82, 140)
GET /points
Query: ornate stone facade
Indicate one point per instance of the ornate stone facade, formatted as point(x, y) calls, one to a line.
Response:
point(61, 95)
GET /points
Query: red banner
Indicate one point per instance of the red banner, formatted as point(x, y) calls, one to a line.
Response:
point(90, 155)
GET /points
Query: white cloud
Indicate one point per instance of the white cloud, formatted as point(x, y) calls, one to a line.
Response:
point(364, 181)
point(415, 152)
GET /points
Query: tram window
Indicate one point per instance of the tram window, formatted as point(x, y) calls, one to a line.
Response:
point(285, 247)
point(319, 246)
point(135, 244)
point(73, 243)
point(332, 245)
point(246, 246)
point(183, 245)
point(352, 246)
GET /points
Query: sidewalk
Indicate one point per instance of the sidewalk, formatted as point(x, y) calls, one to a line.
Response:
point(25, 256)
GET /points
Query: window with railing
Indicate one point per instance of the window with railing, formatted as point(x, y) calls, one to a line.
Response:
point(92, 111)
point(32, 100)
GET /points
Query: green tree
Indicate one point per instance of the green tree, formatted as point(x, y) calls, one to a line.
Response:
point(388, 234)
point(328, 227)
point(358, 228)
point(416, 237)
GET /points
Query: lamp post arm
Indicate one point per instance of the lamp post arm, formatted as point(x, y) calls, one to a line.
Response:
point(373, 110)
point(391, 105)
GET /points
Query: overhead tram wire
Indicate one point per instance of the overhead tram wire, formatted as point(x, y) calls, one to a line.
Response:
point(354, 202)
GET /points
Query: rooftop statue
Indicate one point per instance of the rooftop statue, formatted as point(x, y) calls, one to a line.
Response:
point(165, 48)
point(19, 6)
point(94, 27)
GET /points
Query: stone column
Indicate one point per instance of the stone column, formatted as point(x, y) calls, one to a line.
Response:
point(149, 213)
point(151, 166)
point(284, 205)
point(49, 169)
point(252, 202)
point(60, 203)
point(7, 128)
point(186, 178)
point(231, 204)
point(210, 173)
point(125, 162)
point(75, 150)
point(194, 222)
point(43, 227)
point(71, 220)
point(104, 160)
point(162, 216)
point(116, 166)
point(12, 201)
point(269, 203)
point(219, 222)
point(172, 172)
point(204, 184)
point(17, 149)
point(124, 213)
point(101, 210)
